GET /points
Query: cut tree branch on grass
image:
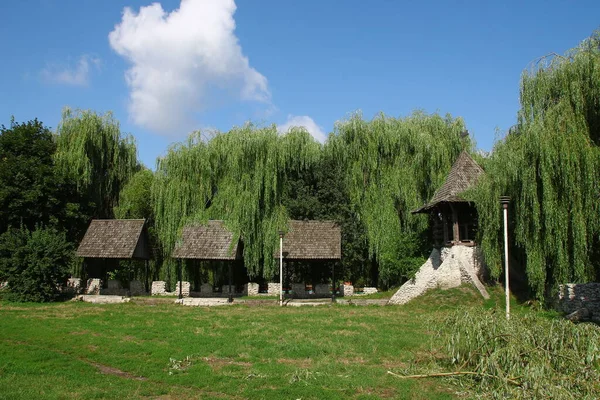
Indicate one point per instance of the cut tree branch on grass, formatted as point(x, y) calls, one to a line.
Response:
point(457, 373)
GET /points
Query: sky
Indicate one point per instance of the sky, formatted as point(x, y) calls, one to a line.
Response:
point(167, 68)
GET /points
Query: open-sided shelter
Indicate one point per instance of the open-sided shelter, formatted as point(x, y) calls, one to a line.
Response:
point(454, 218)
point(114, 239)
point(312, 241)
point(210, 242)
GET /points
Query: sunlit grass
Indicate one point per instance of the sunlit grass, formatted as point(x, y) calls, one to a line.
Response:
point(148, 350)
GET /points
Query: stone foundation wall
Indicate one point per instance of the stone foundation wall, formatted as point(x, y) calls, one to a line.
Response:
point(274, 289)
point(114, 289)
point(93, 286)
point(299, 290)
point(251, 289)
point(136, 288)
point(573, 296)
point(322, 288)
point(346, 290)
point(74, 285)
point(445, 268)
point(159, 288)
point(185, 289)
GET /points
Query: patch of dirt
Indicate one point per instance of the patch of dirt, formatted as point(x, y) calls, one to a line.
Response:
point(106, 370)
point(297, 362)
point(85, 332)
point(345, 333)
point(218, 363)
point(351, 361)
point(259, 303)
point(152, 301)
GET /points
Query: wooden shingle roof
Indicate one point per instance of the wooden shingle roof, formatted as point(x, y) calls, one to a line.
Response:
point(464, 173)
point(207, 242)
point(312, 240)
point(115, 238)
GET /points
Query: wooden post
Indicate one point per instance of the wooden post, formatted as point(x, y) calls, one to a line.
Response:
point(333, 283)
point(455, 229)
point(180, 279)
point(230, 299)
point(147, 272)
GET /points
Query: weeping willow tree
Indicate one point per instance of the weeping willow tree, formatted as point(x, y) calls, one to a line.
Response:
point(239, 177)
point(549, 166)
point(92, 153)
point(393, 166)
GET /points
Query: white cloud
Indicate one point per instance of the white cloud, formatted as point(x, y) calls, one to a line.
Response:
point(75, 75)
point(182, 61)
point(306, 122)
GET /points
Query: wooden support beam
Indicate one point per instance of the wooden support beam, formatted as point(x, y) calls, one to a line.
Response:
point(455, 228)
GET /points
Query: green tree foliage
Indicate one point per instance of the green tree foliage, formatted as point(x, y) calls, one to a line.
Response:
point(367, 177)
point(34, 263)
point(27, 186)
point(320, 194)
point(238, 176)
point(391, 167)
point(549, 166)
point(31, 192)
point(92, 153)
point(135, 199)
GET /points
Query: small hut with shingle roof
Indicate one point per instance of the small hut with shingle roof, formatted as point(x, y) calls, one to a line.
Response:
point(115, 238)
point(107, 241)
point(312, 241)
point(454, 219)
point(211, 242)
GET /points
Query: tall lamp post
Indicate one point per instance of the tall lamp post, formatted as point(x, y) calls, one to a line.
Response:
point(504, 200)
point(281, 268)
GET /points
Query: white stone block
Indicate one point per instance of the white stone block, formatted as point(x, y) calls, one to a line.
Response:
point(252, 289)
point(274, 288)
point(159, 288)
point(93, 286)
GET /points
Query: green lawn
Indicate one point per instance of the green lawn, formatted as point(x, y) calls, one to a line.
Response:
point(162, 350)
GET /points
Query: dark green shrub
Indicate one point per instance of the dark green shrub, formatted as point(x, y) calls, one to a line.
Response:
point(34, 263)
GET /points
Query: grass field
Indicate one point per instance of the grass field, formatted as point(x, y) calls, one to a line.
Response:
point(156, 349)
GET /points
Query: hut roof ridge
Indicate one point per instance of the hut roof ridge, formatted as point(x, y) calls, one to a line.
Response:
point(464, 173)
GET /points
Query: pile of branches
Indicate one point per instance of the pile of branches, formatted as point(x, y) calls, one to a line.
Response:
point(531, 356)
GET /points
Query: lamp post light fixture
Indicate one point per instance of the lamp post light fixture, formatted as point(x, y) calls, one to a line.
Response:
point(281, 268)
point(504, 200)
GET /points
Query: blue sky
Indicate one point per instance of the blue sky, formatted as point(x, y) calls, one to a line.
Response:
point(167, 69)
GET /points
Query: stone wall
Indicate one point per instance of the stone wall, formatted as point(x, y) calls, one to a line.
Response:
point(225, 289)
point(159, 288)
point(93, 286)
point(299, 290)
point(185, 289)
point(136, 288)
point(445, 268)
point(322, 288)
point(251, 289)
point(346, 290)
point(274, 289)
point(114, 288)
point(74, 285)
point(573, 296)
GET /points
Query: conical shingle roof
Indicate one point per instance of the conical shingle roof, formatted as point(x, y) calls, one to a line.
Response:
point(464, 173)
